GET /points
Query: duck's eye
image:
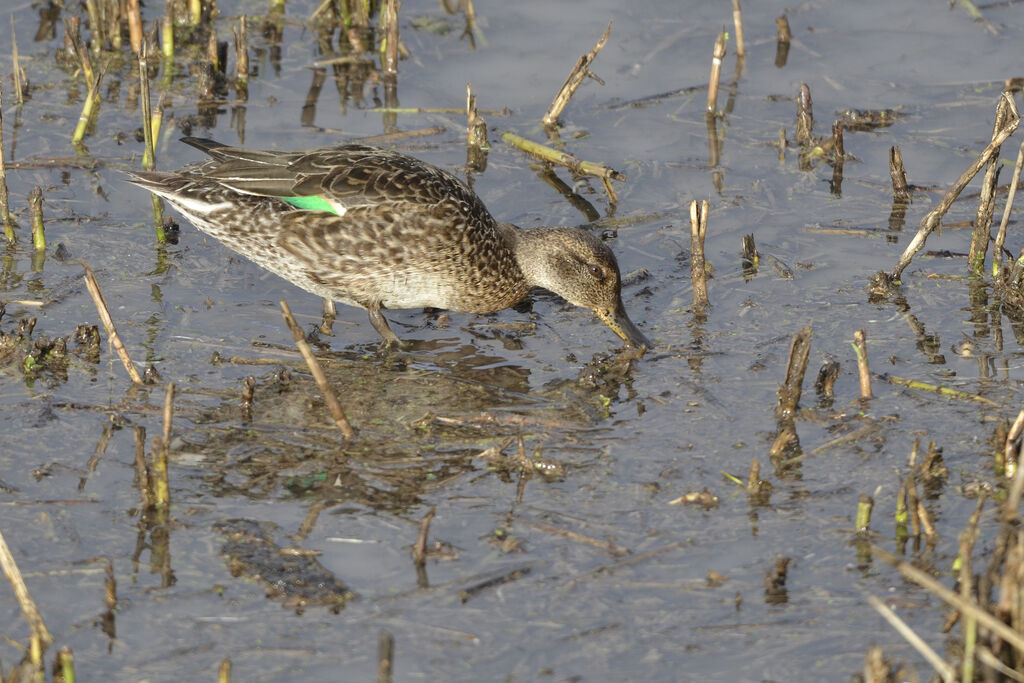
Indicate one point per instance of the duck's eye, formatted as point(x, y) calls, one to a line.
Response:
point(597, 271)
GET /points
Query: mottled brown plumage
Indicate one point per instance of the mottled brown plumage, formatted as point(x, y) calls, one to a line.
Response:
point(379, 229)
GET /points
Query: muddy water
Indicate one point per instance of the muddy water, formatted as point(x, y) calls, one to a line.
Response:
point(564, 560)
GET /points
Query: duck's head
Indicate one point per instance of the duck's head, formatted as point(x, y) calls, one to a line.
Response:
point(581, 269)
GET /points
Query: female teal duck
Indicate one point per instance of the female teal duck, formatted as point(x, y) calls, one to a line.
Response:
point(378, 229)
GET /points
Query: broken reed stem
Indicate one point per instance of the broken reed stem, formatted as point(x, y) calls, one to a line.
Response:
point(574, 80)
point(934, 217)
point(224, 671)
point(5, 206)
point(575, 165)
point(35, 211)
point(242, 59)
point(737, 22)
point(864, 506)
point(944, 670)
point(796, 366)
point(95, 25)
point(838, 148)
point(997, 248)
point(717, 55)
point(66, 665)
point(901, 516)
point(900, 191)
point(161, 451)
point(385, 656)
point(1011, 450)
point(318, 374)
point(804, 117)
point(25, 601)
point(476, 127)
point(168, 411)
point(135, 26)
point(968, 623)
point(782, 32)
point(1010, 505)
point(389, 44)
point(783, 37)
point(860, 347)
point(698, 266)
point(419, 548)
point(148, 154)
point(19, 94)
point(101, 307)
point(167, 33)
point(921, 578)
point(150, 129)
point(982, 233)
point(754, 475)
point(92, 98)
point(838, 157)
point(477, 144)
point(73, 32)
point(142, 472)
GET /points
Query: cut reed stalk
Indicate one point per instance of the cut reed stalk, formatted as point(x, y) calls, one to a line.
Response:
point(242, 59)
point(89, 111)
point(898, 173)
point(35, 211)
point(860, 348)
point(603, 172)
point(698, 266)
point(19, 93)
point(944, 670)
point(419, 548)
point(997, 248)
point(737, 22)
point(167, 35)
point(104, 312)
point(796, 366)
point(982, 233)
point(932, 220)
point(783, 37)
point(135, 26)
point(864, 506)
point(318, 374)
point(923, 579)
point(717, 55)
point(385, 656)
point(574, 80)
point(5, 206)
point(804, 118)
point(29, 610)
point(389, 44)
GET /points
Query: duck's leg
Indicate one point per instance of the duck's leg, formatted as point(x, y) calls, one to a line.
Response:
point(327, 322)
point(380, 324)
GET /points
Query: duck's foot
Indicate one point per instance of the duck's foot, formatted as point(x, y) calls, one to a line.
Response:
point(327, 322)
point(384, 330)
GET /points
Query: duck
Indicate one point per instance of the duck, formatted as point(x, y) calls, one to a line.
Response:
point(379, 229)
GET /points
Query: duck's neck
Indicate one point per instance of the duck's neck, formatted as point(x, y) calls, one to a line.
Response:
point(533, 249)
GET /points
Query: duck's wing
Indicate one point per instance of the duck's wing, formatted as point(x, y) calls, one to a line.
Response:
point(338, 179)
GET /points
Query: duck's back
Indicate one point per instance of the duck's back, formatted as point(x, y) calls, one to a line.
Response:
point(352, 223)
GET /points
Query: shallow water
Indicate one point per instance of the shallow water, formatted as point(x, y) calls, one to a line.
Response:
point(628, 439)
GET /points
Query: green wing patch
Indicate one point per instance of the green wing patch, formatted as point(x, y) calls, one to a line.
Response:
point(313, 203)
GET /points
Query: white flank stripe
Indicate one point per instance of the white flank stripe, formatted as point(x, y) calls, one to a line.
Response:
point(197, 206)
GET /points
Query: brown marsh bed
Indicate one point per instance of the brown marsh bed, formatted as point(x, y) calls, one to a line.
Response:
point(551, 460)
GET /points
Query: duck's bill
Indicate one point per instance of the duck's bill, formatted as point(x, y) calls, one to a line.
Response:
point(623, 326)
